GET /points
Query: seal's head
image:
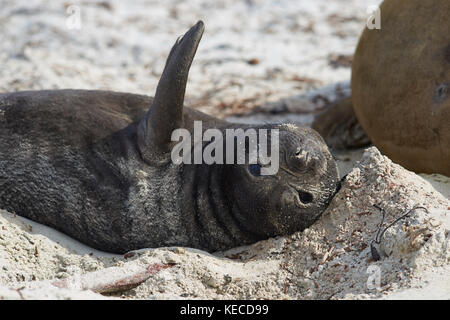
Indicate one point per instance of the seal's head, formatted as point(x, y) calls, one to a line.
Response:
point(294, 196)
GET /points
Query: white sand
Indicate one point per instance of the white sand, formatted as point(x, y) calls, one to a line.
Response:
point(292, 45)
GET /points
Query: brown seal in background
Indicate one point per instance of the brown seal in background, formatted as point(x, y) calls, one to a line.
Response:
point(401, 84)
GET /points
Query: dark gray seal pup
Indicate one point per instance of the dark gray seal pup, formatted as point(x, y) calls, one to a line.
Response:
point(96, 166)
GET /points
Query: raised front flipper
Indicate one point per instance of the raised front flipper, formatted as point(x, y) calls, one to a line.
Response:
point(166, 112)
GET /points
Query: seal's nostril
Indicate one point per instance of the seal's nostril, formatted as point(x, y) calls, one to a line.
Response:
point(305, 197)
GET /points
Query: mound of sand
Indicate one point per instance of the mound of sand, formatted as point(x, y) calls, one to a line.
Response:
point(330, 260)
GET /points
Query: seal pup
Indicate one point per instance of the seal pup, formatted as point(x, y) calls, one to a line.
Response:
point(97, 166)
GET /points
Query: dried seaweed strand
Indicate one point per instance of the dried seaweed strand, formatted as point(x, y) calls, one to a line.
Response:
point(378, 237)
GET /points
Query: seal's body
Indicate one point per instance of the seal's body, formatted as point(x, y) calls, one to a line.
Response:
point(96, 165)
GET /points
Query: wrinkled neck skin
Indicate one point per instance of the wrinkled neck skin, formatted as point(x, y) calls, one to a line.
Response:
point(210, 217)
point(210, 210)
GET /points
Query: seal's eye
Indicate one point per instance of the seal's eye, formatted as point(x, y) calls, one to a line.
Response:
point(255, 169)
point(305, 197)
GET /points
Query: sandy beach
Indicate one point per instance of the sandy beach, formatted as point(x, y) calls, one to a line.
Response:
point(259, 61)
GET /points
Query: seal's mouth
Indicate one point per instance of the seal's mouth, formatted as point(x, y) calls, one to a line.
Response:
point(338, 188)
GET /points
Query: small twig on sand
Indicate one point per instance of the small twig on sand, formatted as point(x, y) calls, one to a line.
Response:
point(113, 279)
point(326, 255)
